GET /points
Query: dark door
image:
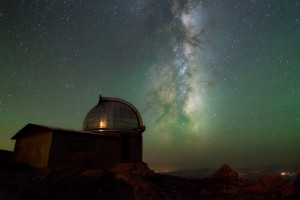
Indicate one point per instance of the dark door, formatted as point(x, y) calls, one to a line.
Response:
point(125, 148)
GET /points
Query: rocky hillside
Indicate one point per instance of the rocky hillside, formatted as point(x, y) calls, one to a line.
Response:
point(137, 181)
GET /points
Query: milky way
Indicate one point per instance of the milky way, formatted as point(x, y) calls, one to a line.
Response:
point(216, 82)
point(179, 84)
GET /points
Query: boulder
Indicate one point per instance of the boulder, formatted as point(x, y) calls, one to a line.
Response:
point(134, 174)
point(276, 184)
point(225, 173)
point(271, 180)
point(297, 186)
point(138, 168)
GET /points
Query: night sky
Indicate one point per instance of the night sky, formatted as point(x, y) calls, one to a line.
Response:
point(215, 81)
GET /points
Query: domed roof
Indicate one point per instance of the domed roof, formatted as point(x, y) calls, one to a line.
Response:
point(112, 114)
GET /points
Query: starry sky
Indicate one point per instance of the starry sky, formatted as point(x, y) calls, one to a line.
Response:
point(215, 81)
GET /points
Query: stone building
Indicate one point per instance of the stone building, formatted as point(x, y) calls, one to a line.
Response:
point(112, 133)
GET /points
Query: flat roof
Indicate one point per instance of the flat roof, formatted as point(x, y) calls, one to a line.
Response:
point(23, 131)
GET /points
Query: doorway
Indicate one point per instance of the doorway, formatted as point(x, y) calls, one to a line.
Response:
point(125, 148)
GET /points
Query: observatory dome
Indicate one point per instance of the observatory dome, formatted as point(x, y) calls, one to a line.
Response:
point(113, 114)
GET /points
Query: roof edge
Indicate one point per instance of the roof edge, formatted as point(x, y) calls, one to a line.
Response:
point(20, 132)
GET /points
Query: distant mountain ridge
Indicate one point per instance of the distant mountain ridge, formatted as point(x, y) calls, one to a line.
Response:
point(287, 171)
point(192, 173)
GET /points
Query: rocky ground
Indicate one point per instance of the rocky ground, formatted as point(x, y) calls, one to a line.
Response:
point(137, 181)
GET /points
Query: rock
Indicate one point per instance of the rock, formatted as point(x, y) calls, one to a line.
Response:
point(297, 186)
point(225, 173)
point(93, 173)
point(288, 189)
point(134, 181)
point(139, 168)
point(134, 174)
point(271, 180)
point(5, 156)
point(255, 190)
point(275, 184)
point(298, 178)
point(42, 174)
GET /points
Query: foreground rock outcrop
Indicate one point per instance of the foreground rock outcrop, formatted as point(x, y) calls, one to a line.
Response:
point(226, 174)
point(137, 181)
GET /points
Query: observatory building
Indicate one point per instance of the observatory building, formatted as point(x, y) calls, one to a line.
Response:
point(112, 133)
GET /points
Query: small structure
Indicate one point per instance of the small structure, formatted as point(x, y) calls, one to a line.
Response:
point(112, 133)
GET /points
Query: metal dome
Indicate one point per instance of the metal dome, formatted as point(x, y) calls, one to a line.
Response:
point(112, 114)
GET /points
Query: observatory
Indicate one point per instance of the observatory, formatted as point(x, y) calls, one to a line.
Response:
point(116, 115)
point(112, 133)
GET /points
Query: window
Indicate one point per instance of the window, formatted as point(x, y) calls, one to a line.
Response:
point(82, 145)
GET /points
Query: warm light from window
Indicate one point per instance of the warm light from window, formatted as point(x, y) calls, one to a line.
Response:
point(102, 124)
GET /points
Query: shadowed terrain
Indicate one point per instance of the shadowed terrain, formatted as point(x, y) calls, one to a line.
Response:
point(135, 181)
